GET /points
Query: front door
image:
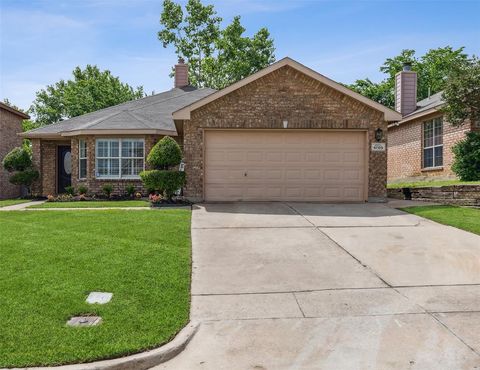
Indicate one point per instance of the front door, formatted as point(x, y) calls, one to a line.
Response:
point(64, 168)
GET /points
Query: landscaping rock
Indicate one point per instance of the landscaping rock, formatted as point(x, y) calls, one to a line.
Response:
point(99, 297)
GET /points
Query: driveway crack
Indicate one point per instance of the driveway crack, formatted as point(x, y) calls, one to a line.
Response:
point(298, 304)
point(339, 246)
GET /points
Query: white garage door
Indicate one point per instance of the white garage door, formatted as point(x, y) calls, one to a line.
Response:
point(285, 165)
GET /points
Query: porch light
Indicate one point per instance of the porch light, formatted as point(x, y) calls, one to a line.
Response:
point(378, 134)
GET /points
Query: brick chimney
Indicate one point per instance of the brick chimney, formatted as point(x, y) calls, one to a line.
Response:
point(181, 73)
point(406, 90)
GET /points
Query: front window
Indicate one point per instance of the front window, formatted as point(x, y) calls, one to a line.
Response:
point(119, 158)
point(433, 143)
point(82, 159)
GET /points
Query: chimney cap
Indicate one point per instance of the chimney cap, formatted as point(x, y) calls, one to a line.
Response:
point(181, 60)
point(407, 66)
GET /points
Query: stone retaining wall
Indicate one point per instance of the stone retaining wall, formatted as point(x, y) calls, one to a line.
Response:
point(462, 195)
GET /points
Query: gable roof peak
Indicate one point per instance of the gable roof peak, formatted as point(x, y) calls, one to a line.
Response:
point(389, 114)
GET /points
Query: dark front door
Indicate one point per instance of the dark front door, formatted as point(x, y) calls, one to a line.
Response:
point(64, 168)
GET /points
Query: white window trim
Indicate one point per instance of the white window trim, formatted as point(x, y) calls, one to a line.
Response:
point(80, 159)
point(433, 146)
point(120, 141)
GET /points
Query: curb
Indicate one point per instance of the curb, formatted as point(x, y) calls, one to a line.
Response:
point(139, 361)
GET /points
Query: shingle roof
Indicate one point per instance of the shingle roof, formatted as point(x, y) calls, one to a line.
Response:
point(150, 113)
point(433, 101)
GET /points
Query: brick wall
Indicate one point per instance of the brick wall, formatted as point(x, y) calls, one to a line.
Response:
point(405, 150)
point(45, 159)
point(283, 94)
point(10, 125)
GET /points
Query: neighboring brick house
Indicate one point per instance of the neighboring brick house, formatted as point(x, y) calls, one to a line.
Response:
point(420, 144)
point(10, 125)
point(283, 133)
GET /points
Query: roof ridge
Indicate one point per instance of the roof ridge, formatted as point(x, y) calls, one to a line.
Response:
point(138, 119)
point(96, 122)
point(130, 112)
point(120, 104)
point(167, 99)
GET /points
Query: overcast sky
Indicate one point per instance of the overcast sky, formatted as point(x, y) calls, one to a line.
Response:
point(42, 41)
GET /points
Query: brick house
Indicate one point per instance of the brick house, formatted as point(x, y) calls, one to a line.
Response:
point(10, 125)
point(420, 144)
point(283, 133)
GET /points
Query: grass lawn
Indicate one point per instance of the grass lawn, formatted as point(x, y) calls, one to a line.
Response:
point(463, 218)
point(94, 204)
point(11, 202)
point(50, 261)
point(419, 184)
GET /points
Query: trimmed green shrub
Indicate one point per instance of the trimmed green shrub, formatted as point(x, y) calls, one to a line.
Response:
point(165, 154)
point(26, 177)
point(130, 190)
point(165, 182)
point(107, 190)
point(82, 190)
point(70, 190)
point(19, 159)
point(466, 164)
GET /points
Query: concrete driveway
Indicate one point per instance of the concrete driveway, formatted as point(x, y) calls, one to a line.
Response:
point(316, 286)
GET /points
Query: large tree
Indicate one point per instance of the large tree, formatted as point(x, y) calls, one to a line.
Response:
point(216, 57)
point(462, 93)
point(433, 68)
point(90, 89)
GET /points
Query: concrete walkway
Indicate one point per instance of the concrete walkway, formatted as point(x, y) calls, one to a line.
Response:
point(21, 206)
point(318, 286)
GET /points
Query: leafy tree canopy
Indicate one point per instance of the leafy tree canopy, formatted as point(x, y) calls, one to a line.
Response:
point(216, 57)
point(462, 93)
point(90, 89)
point(432, 68)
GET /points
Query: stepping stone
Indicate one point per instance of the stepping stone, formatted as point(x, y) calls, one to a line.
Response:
point(84, 321)
point(99, 297)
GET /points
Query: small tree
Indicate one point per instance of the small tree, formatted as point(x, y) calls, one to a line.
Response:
point(163, 179)
point(466, 164)
point(19, 163)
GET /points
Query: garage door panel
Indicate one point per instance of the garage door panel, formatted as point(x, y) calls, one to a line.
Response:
point(274, 156)
point(293, 166)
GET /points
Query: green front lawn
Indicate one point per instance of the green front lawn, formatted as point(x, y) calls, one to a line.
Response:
point(12, 202)
point(431, 183)
point(94, 204)
point(463, 218)
point(50, 261)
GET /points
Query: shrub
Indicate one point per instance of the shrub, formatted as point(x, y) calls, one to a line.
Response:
point(26, 177)
point(130, 190)
point(107, 190)
point(82, 190)
point(466, 163)
point(165, 182)
point(165, 154)
point(70, 190)
point(19, 159)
